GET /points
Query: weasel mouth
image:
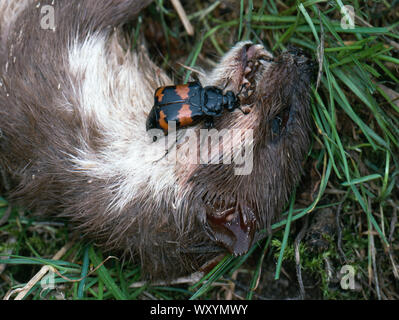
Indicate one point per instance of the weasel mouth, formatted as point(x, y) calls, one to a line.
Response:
point(254, 60)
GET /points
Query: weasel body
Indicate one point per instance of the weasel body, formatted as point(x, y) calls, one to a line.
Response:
point(73, 109)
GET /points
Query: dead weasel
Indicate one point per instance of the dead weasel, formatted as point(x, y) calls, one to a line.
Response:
point(73, 110)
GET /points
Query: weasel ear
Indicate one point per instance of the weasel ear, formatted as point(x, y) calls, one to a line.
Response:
point(234, 227)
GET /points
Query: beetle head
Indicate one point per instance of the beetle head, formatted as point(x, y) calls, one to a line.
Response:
point(230, 101)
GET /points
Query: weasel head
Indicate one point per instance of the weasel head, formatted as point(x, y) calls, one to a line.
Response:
point(236, 201)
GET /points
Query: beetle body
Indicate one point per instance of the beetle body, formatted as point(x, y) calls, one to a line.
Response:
point(189, 104)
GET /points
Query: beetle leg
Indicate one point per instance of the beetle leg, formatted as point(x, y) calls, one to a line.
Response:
point(208, 123)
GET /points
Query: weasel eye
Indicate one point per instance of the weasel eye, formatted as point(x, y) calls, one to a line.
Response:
point(276, 126)
point(279, 122)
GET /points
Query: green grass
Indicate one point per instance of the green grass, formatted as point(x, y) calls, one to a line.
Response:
point(352, 167)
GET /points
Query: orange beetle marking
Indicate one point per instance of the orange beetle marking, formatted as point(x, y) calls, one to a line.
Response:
point(184, 115)
point(159, 94)
point(182, 91)
point(163, 124)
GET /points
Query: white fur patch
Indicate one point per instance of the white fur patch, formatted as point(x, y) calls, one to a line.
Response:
point(116, 98)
